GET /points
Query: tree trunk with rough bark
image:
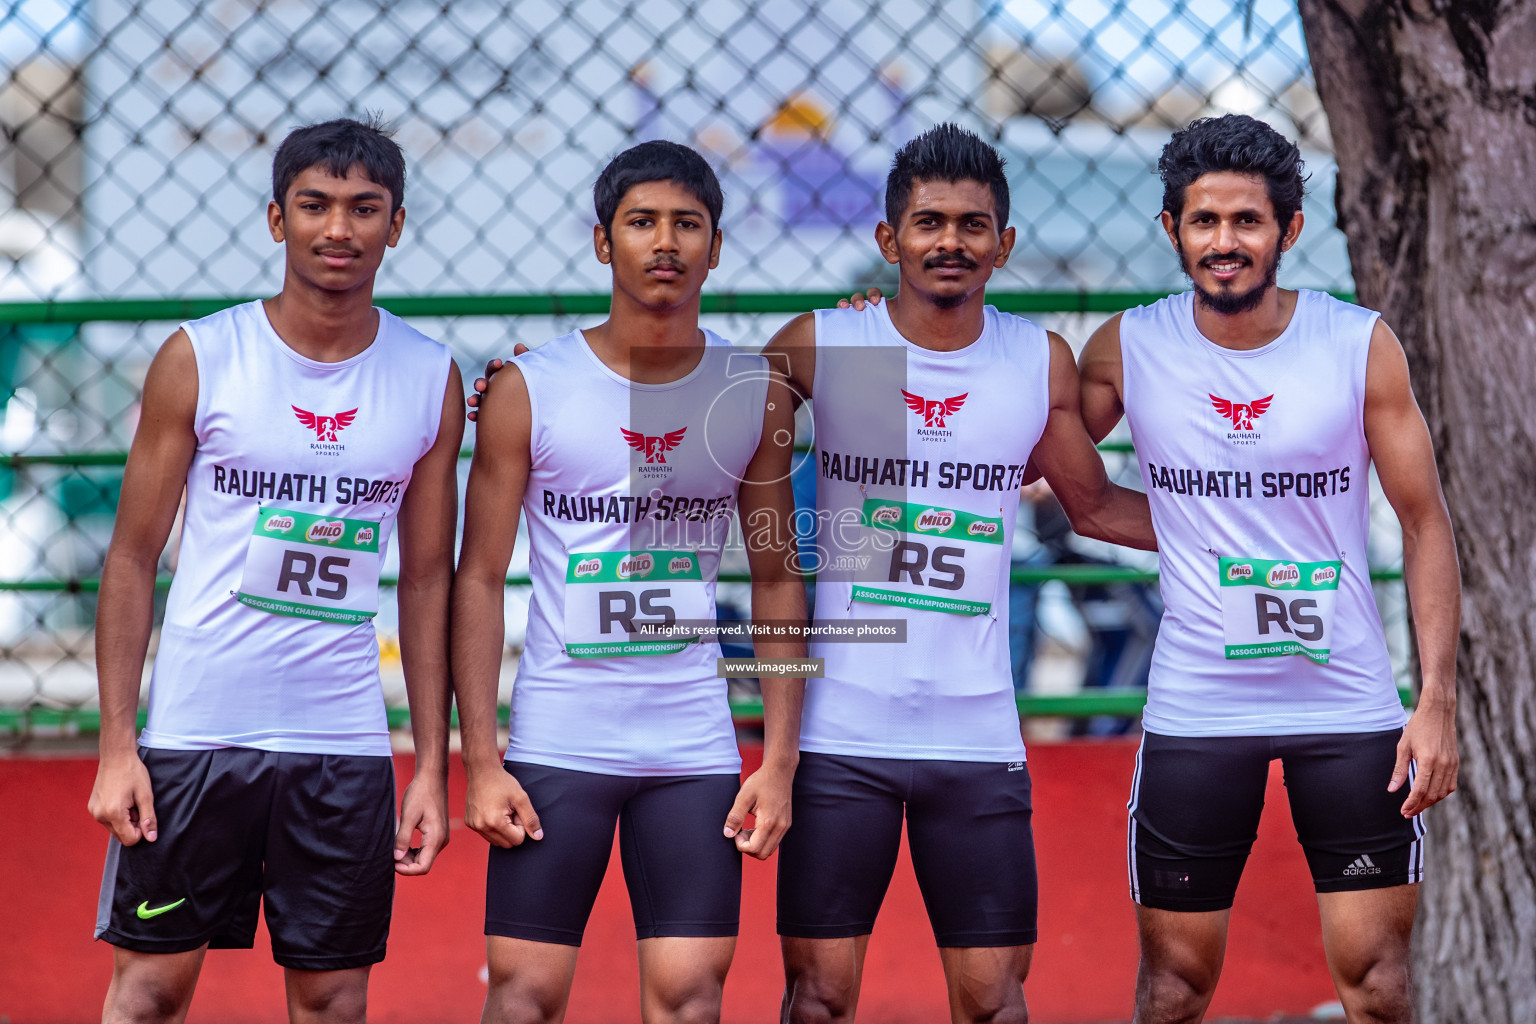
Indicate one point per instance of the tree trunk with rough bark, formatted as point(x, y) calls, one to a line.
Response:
point(1432, 107)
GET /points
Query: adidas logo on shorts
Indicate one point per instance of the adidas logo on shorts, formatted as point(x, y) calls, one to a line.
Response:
point(1363, 865)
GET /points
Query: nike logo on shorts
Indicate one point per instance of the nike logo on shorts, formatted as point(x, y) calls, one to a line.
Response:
point(145, 913)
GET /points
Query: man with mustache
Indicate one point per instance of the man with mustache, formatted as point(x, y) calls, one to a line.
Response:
point(628, 446)
point(1257, 413)
point(301, 429)
point(930, 410)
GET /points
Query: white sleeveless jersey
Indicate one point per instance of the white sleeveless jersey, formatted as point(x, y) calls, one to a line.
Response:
point(299, 471)
point(921, 456)
point(629, 502)
point(1256, 466)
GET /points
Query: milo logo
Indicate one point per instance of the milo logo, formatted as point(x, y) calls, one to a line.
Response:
point(1284, 575)
point(682, 563)
point(888, 514)
point(981, 529)
point(636, 565)
point(588, 567)
point(278, 524)
point(328, 530)
point(1240, 572)
point(1324, 574)
point(364, 535)
point(935, 520)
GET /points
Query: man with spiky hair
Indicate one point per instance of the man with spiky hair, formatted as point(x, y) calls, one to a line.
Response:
point(1258, 413)
point(628, 447)
point(302, 429)
point(930, 411)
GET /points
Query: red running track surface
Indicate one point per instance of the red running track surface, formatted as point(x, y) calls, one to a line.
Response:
point(1084, 968)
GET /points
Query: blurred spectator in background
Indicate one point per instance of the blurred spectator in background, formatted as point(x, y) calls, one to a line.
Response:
point(1024, 598)
point(1121, 618)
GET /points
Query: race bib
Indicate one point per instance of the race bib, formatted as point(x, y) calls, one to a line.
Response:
point(312, 567)
point(935, 559)
point(613, 599)
point(1270, 609)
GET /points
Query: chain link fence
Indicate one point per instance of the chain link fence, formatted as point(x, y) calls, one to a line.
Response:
point(138, 139)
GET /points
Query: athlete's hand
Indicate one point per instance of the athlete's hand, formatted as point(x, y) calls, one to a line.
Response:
point(121, 799)
point(766, 796)
point(500, 810)
point(858, 300)
point(1429, 741)
point(424, 809)
point(481, 383)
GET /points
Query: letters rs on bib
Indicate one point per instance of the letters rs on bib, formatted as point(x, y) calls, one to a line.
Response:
point(613, 600)
point(1256, 466)
point(929, 551)
point(1273, 608)
point(312, 567)
point(298, 476)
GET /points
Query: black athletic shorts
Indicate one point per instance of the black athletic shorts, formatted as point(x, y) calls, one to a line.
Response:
point(311, 834)
point(1195, 806)
point(969, 829)
point(683, 874)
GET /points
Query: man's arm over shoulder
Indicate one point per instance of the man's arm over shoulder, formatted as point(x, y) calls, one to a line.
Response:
point(792, 352)
point(1404, 455)
point(1070, 463)
point(153, 484)
point(428, 516)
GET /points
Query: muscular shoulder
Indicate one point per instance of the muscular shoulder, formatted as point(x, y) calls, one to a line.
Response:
point(799, 333)
point(792, 351)
point(170, 387)
point(1102, 353)
point(176, 353)
point(1386, 367)
point(510, 384)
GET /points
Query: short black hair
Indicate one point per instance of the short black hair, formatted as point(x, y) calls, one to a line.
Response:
point(945, 152)
point(658, 160)
point(1237, 143)
point(338, 146)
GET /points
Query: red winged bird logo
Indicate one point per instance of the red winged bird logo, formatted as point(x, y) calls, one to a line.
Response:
point(655, 448)
point(933, 413)
point(1241, 414)
point(325, 427)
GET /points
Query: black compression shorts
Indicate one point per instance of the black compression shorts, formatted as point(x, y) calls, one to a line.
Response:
point(1195, 805)
point(969, 829)
point(683, 874)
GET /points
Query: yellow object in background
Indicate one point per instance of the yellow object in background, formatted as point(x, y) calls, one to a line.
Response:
point(389, 651)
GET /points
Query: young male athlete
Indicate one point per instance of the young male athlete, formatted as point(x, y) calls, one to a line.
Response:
point(1257, 413)
point(928, 410)
point(627, 446)
point(300, 429)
